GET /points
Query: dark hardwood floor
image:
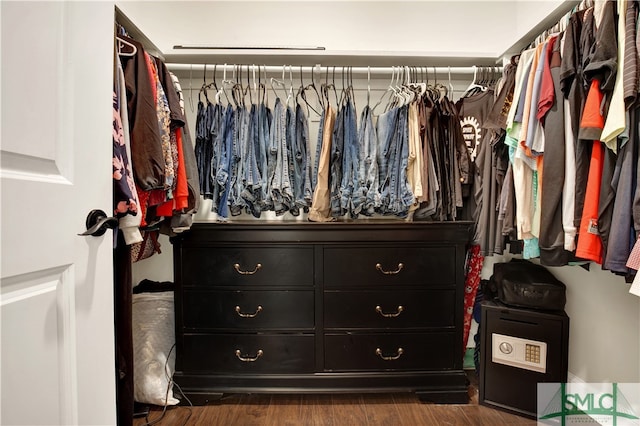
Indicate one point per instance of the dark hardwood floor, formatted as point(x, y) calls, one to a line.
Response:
point(394, 409)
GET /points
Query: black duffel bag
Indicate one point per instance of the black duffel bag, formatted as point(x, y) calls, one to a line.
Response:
point(523, 284)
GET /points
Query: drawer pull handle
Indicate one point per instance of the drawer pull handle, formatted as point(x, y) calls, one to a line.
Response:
point(392, 357)
point(241, 272)
point(248, 359)
point(379, 268)
point(258, 310)
point(392, 315)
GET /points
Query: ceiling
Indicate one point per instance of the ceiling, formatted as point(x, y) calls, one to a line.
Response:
point(345, 32)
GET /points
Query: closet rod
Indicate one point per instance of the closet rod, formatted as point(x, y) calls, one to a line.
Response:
point(318, 69)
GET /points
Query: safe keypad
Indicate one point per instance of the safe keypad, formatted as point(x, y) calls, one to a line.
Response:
point(532, 353)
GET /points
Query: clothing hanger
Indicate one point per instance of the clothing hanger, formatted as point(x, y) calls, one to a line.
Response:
point(213, 85)
point(279, 83)
point(343, 91)
point(385, 92)
point(430, 88)
point(221, 90)
point(259, 87)
point(124, 44)
point(315, 89)
point(401, 88)
point(302, 93)
point(474, 87)
point(440, 88)
point(203, 88)
point(222, 86)
point(265, 93)
point(352, 93)
point(191, 88)
point(346, 85)
point(248, 88)
point(398, 97)
point(327, 86)
point(420, 84)
point(333, 85)
point(450, 85)
point(390, 91)
point(290, 85)
point(368, 85)
point(497, 75)
point(255, 87)
point(409, 87)
point(237, 94)
point(324, 88)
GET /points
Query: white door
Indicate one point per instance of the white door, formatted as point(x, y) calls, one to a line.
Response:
point(56, 292)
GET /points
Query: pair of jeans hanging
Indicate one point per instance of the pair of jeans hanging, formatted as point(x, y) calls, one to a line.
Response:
point(223, 179)
point(368, 173)
point(281, 192)
point(302, 161)
point(351, 188)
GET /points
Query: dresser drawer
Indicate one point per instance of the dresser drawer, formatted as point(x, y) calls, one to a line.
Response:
point(246, 266)
point(389, 351)
point(248, 309)
point(389, 309)
point(390, 265)
point(251, 353)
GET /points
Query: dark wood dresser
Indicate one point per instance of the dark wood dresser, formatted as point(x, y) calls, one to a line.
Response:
point(321, 307)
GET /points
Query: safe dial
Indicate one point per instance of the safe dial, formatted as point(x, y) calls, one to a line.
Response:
point(506, 348)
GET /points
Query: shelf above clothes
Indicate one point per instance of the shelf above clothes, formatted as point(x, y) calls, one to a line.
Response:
point(336, 69)
point(304, 57)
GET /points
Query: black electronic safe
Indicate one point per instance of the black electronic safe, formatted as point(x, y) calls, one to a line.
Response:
point(520, 348)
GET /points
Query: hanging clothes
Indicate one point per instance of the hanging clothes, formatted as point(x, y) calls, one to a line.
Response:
point(337, 153)
point(204, 148)
point(147, 157)
point(474, 111)
point(351, 194)
point(551, 113)
point(367, 139)
point(281, 191)
point(125, 195)
point(475, 262)
point(579, 40)
point(320, 210)
point(302, 161)
point(240, 141)
point(223, 173)
point(414, 165)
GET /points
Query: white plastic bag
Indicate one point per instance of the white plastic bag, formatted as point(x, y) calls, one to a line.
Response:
point(153, 352)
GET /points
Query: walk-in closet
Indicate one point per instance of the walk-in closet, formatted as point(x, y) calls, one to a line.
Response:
point(316, 210)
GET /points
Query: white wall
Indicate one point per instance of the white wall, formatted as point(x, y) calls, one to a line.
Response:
point(433, 32)
point(534, 17)
point(430, 29)
point(604, 334)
